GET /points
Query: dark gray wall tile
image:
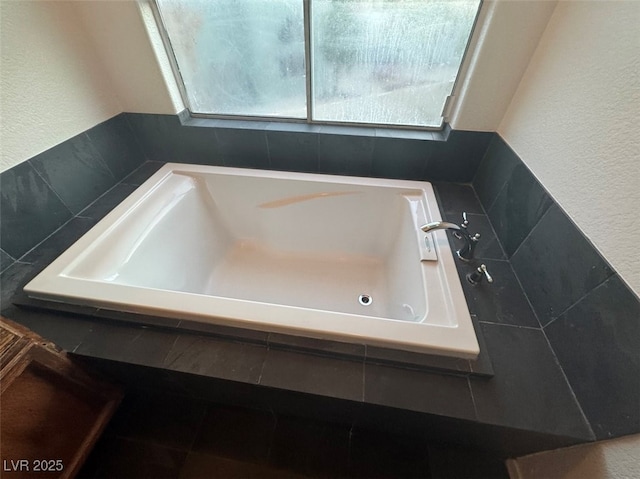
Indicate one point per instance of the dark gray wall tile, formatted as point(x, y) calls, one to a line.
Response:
point(454, 198)
point(457, 159)
point(30, 210)
point(12, 280)
point(123, 457)
point(312, 406)
point(65, 331)
point(395, 357)
point(163, 138)
point(557, 265)
point(238, 433)
point(319, 346)
point(329, 443)
point(518, 207)
point(217, 358)
point(482, 365)
point(224, 332)
point(157, 134)
point(312, 374)
point(383, 455)
point(160, 418)
point(126, 343)
point(5, 260)
point(199, 465)
point(528, 390)
point(76, 172)
point(112, 198)
point(142, 173)
point(501, 301)
point(243, 148)
point(345, 155)
point(117, 145)
point(494, 171)
point(450, 463)
point(597, 342)
point(58, 242)
point(293, 151)
point(197, 145)
point(418, 391)
point(400, 158)
point(135, 318)
point(311, 148)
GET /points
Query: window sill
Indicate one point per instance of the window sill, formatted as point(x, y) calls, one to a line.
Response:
point(293, 127)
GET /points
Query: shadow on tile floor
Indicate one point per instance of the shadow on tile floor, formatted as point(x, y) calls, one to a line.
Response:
point(167, 436)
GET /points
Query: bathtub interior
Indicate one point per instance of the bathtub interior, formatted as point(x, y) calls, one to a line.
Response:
point(306, 244)
point(277, 252)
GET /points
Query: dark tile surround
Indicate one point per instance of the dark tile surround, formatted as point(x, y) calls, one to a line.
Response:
point(311, 148)
point(589, 316)
point(25, 195)
point(202, 439)
point(529, 392)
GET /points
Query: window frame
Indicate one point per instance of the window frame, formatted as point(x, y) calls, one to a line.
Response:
point(463, 71)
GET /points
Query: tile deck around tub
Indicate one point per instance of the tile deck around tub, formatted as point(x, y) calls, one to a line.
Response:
point(196, 437)
point(370, 379)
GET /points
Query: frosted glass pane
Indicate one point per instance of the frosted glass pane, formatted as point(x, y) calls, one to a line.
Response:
point(387, 61)
point(239, 57)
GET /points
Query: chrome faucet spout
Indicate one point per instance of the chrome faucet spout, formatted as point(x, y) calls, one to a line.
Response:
point(440, 225)
point(466, 252)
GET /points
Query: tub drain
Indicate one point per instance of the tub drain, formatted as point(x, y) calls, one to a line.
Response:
point(365, 300)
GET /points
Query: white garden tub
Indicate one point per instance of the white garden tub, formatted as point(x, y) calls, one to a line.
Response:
point(329, 257)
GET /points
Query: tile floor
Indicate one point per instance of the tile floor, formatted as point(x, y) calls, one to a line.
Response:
point(168, 436)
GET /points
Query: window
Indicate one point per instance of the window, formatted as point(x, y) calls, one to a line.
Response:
point(382, 62)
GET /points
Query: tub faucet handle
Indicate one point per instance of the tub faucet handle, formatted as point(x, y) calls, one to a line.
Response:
point(465, 221)
point(478, 274)
point(463, 227)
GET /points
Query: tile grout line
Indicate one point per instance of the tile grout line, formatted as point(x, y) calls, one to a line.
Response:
point(266, 142)
point(10, 256)
point(473, 399)
point(136, 139)
point(566, 379)
point(493, 203)
point(575, 303)
point(505, 257)
point(486, 152)
point(526, 296)
point(509, 325)
point(52, 189)
point(264, 362)
point(364, 372)
point(100, 157)
point(198, 428)
point(272, 435)
point(534, 227)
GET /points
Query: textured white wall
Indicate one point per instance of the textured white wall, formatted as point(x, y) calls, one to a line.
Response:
point(52, 86)
point(613, 459)
point(502, 45)
point(133, 54)
point(574, 122)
